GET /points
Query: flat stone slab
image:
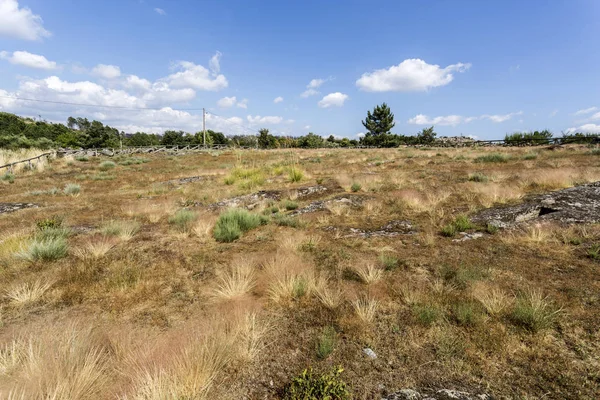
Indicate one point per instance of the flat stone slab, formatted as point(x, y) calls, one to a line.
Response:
point(183, 181)
point(391, 229)
point(250, 201)
point(6, 208)
point(442, 394)
point(579, 204)
point(351, 200)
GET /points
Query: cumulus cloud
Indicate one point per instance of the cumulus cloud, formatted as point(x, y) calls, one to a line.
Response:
point(412, 75)
point(160, 11)
point(106, 71)
point(453, 120)
point(27, 59)
point(311, 88)
point(227, 102)
point(197, 76)
point(587, 128)
point(309, 92)
point(336, 99)
point(586, 111)
point(20, 23)
point(278, 100)
point(307, 127)
point(264, 120)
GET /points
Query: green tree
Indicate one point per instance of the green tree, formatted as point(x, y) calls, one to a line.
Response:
point(266, 140)
point(426, 136)
point(380, 122)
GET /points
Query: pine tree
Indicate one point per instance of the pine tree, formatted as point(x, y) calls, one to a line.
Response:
point(381, 121)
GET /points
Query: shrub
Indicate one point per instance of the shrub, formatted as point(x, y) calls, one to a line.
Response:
point(44, 250)
point(326, 342)
point(310, 386)
point(286, 220)
point(233, 223)
point(82, 158)
point(389, 262)
point(124, 230)
point(460, 277)
point(460, 224)
point(491, 229)
point(467, 314)
point(594, 252)
point(478, 177)
point(492, 158)
point(534, 312)
point(52, 222)
point(355, 187)
point(72, 189)
point(8, 177)
point(295, 175)
point(183, 219)
point(427, 314)
point(290, 205)
point(106, 165)
point(530, 156)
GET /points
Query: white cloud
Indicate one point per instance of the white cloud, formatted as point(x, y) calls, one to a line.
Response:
point(28, 60)
point(453, 120)
point(412, 75)
point(160, 11)
point(309, 92)
point(278, 100)
point(360, 134)
point(586, 111)
point(307, 127)
point(587, 128)
point(336, 99)
point(20, 23)
point(227, 102)
point(595, 116)
point(135, 82)
point(311, 88)
point(315, 83)
point(106, 71)
point(197, 76)
point(264, 120)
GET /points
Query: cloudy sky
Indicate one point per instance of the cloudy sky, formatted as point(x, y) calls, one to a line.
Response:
point(482, 68)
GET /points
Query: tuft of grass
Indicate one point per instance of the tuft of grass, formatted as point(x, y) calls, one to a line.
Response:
point(594, 252)
point(8, 177)
point(183, 220)
point(460, 224)
point(330, 298)
point(368, 273)
point(290, 205)
point(295, 175)
point(530, 156)
point(238, 281)
point(365, 309)
point(492, 158)
point(427, 314)
point(466, 314)
point(326, 342)
point(478, 177)
point(49, 223)
point(72, 189)
point(27, 293)
point(82, 158)
point(106, 165)
point(285, 220)
point(495, 301)
point(491, 229)
point(533, 312)
point(462, 276)
point(233, 223)
point(355, 187)
point(124, 230)
point(389, 261)
point(310, 386)
point(49, 249)
point(95, 249)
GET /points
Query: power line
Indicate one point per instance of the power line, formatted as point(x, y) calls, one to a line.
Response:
point(97, 105)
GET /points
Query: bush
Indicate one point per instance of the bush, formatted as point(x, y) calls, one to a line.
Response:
point(530, 156)
point(355, 187)
point(8, 177)
point(427, 314)
point(492, 158)
point(326, 342)
point(460, 224)
point(45, 249)
point(183, 219)
point(82, 158)
point(478, 177)
point(106, 165)
point(467, 314)
point(534, 312)
point(285, 220)
point(72, 189)
point(389, 261)
point(296, 175)
point(290, 205)
point(233, 223)
point(310, 386)
point(52, 222)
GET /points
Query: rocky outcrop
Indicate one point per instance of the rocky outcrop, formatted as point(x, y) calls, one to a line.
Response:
point(12, 207)
point(350, 200)
point(442, 394)
point(250, 201)
point(579, 204)
point(183, 181)
point(391, 229)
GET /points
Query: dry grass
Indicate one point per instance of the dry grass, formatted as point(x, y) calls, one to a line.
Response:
point(95, 248)
point(27, 293)
point(494, 300)
point(238, 281)
point(365, 309)
point(289, 278)
point(10, 156)
point(330, 297)
point(368, 273)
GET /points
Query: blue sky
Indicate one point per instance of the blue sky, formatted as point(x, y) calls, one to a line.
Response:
point(482, 68)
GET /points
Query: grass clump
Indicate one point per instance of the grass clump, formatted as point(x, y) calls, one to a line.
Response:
point(82, 158)
point(48, 249)
point(460, 277)
point(491, 229)
point(492, 158)
point(326, 342)
point(295, 175)
point(233, 223)
point(106, 165)
point(478, 177)
point(355, 187)
point(8, 177)
point(594, 252)
point(427, 314)
point(285, 220)
point(389, 262)
point(533, 312)
point(460, 224)
point(72, 189)
point(311, 386)
point(183, 219)
point(530, 156)
point(467, 314)
point(124, 230)
point(290, 205)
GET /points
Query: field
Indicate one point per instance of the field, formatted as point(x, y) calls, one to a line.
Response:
point(131, 282)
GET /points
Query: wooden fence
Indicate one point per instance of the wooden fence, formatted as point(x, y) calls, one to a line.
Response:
point(31, 162)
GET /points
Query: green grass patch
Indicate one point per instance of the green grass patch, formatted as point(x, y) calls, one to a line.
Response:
point(48, 249)
point(427, 314)
point(478, 177)
point(183, 220)
point(72, 189)
point(460, 224)
point(492, 158)
point(461, 277)
point(106, 165)
point(389, 262)
point(233, 223)
point(355, 187)
point(312, 386)
point(295, 175)
point(533, 312)
point(326, 342)
point(290, 205)
point(8, 177)
point(467, 314)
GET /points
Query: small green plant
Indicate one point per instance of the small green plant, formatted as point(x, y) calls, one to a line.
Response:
point(286, 220)
point(594, 252)
point(229, 180)
point(491, 229)
point(467, 314)
point(106, 165)
point(530, 156)
point(595, 152)
point(492, 158)
point(295, 175)
point(355, 187)
point(72, 189)
point(311, 386)
point(389, 261)
point(534, 312)
point(290, 205)
point(233, 223)
point(427, 314)
point(183, 219)
point(49, 249)
point(326, 342)
point(319, 181)
point(478, 177)
point(49, 223)
point(460, 224)
point(8, 177)
point(460, 277)
point(82, 158)
point(300, 287)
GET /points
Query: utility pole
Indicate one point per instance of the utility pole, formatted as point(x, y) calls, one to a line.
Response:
point(204, 125)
